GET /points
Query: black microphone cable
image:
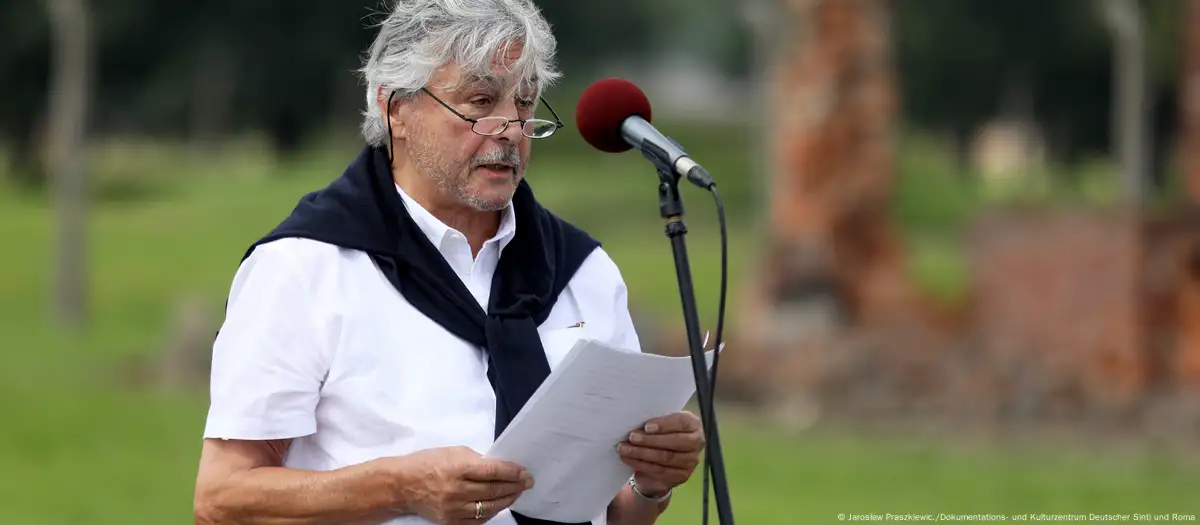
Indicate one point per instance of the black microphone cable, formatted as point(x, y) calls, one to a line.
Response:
point(707, 412)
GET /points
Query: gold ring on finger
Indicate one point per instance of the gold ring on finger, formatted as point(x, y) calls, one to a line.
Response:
point(478, 510)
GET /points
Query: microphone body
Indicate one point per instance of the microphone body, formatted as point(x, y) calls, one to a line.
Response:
point(663, 151)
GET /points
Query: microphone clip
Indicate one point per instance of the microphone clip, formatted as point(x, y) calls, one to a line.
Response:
point(670, 206)
point(660, 157)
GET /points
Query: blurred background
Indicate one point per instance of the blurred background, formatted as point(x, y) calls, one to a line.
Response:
point(964, 235)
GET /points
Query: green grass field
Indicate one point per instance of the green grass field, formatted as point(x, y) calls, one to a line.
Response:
point(76, 450)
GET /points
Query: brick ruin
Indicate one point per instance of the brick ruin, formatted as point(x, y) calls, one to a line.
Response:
point(1072, 313)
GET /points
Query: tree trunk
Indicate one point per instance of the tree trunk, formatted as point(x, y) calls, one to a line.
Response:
point(212, 95)
point(1188, 288)
point(835, 97)
point(764, 20)
point(1130, 107)
point(68, 115)
point(1189, 104)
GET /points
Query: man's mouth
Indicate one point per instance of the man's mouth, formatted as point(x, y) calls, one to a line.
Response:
point(499, 167)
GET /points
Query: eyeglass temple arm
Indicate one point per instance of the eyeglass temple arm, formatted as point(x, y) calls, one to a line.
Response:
point(557, 121)
point(452, 110)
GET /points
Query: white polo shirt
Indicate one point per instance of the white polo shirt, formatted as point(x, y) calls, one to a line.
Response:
point(318, 346)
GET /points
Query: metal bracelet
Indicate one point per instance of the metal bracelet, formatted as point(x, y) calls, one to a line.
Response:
point(660, 499)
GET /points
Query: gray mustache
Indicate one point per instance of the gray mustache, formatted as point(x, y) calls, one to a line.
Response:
point(510, 156)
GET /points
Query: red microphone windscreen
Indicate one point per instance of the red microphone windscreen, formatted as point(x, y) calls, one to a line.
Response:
point(602, 108)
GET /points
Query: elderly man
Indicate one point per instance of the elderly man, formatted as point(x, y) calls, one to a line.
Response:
point(379, 339)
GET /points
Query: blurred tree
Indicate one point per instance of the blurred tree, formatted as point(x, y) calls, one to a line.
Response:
point(715, 32)
point(962, 60)
point(1127, 24)
point(1163, 30)
point(68, 114)
point(25, 68)
point(1189, 94)
point(179, 69)
point(590, 33)
point(834, 94)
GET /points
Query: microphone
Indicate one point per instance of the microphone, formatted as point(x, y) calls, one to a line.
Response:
point(614, 115)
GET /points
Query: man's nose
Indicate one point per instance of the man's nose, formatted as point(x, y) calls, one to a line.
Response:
point(513, 132)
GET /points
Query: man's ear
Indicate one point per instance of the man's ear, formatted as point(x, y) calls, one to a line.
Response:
point(396, 114)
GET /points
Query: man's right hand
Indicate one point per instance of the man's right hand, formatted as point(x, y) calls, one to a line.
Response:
point(443, 484)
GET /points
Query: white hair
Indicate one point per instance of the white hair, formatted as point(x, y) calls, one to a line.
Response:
point(420, 36)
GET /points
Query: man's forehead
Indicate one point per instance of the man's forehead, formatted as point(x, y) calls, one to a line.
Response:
point(495, 82)
point(504, 72)
point(509, 53)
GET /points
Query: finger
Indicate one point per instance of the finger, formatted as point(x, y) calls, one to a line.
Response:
point(494, 470)
point(490, 508)
point(678, 442)
point(489, 490)
point(658, 456)
point(470, 510)
point(499, 504)
point(670, 476)
point(672, 423)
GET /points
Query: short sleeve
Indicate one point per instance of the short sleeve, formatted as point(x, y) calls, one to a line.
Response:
point(267, 363)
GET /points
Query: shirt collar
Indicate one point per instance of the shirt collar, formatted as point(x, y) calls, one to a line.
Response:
point(437, 231)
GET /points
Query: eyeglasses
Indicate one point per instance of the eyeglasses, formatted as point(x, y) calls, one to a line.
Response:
point(534, 128)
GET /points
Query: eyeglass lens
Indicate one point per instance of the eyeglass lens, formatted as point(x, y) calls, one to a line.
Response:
point(532, 128)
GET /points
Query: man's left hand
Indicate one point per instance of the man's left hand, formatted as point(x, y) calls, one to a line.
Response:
point(664, 453)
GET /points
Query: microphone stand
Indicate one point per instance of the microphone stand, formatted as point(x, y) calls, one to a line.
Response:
point(671, 208)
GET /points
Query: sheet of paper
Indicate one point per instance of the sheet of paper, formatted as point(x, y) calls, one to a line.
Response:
point(567, 434)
